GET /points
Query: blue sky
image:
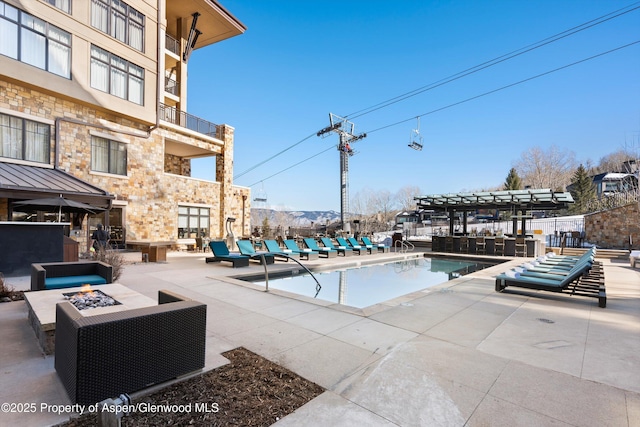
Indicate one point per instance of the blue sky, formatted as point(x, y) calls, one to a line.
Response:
point(298, 61)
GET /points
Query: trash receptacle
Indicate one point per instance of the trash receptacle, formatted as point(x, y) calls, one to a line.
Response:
point(397, 237)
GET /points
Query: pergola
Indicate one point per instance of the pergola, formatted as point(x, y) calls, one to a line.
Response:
point(516, 201)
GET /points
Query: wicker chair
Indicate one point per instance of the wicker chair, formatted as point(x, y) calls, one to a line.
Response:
point(56, 275)
point(102, 356)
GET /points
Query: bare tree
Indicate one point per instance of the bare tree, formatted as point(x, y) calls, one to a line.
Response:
point(552, 168)
point(383, 203)
point(615, 162)
point(357, 205)
point(374, 208)
point(405, 197)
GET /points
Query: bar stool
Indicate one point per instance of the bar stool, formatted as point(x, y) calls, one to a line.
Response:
point(464, 244)
point(499, 246)
point(448, 244)
point(481, 247)
point(521, 247)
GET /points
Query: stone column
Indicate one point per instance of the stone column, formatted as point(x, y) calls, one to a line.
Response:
point(224, 175)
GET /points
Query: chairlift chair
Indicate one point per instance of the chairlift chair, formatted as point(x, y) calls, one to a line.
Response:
point(261, 196)
point(415, 139)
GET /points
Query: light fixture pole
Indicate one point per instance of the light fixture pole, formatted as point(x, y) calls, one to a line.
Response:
point(345, 130)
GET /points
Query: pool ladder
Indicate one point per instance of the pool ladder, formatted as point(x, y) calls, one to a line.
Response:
point(403, 246)
point(266, 272)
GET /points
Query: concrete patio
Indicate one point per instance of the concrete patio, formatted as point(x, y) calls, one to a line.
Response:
point(455, 354)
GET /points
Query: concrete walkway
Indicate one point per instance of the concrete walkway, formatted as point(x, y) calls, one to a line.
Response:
point(454, 355)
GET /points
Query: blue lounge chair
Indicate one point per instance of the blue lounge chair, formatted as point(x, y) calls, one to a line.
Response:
point(357, 249)
point(221, 253)
point(547, 264)
point(246, 248)
point(307, 254)
point(381, 248)
point(274, 248)
point(556, 273)
point(570, 282)
point(357, 246)
point(345, 250)
point(313, 245)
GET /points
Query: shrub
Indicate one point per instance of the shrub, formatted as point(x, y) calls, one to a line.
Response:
point(7, 291)
point(114, 259)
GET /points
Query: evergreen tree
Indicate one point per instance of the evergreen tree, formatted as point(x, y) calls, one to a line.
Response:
point(266, 228)
point(582, 190)
point(513, 181)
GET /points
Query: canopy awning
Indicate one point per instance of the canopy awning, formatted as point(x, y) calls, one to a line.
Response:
point(20, 182)
point(538, 199)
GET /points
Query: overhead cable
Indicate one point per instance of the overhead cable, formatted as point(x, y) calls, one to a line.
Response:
point(507, 86)
point(498, 60)
point(464, 101)
point(294, 165)
point(273, 157)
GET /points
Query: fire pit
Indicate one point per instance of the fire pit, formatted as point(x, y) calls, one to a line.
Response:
point(89, 298)
point(42, 308)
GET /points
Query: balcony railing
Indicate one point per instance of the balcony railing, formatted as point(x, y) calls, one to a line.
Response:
point(171, 86)
point(171, 44)
point(184, 119)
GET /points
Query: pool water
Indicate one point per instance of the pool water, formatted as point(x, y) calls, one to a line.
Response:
point(371, 284)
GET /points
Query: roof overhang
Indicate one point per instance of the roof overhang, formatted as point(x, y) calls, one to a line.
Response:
point(21, 182)
point(214, 22)
point(187, 151)
point(540, 199)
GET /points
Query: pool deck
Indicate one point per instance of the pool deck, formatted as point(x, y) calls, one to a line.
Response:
point(456, 354)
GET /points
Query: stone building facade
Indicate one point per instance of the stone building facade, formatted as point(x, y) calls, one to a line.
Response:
point(148, 190)
point(617, 228)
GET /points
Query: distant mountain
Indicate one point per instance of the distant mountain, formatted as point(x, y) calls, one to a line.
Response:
point(296, 218)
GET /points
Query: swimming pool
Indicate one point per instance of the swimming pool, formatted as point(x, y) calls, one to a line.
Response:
point(371, 284)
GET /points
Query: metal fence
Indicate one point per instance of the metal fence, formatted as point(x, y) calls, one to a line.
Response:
point(171, 44)
point(551, 228)
point(184, 119)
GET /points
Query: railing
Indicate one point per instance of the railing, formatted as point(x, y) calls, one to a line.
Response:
point(171, 86)
point(171, 44)
point(549, 226)
point(266, 272)
point(184, 119)
point(404, 246)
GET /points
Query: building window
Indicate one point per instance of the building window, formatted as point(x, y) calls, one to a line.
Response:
point(108, 156)
point(34, 41)
point(117, 76)
point(24, 139)
point(193, 222)
point(64, 5)
point(120, 21)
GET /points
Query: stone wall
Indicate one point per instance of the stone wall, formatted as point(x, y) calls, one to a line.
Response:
point(617, 228)
point(148, 194)
point(177, 165)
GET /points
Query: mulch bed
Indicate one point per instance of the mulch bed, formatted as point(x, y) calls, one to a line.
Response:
point(249, 391)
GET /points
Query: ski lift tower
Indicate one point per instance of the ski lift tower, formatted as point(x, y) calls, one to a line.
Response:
point(345, 130)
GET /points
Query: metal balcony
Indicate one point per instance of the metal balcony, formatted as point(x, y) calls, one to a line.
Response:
point(171, 44)
point(171, 86)
point(191, 122)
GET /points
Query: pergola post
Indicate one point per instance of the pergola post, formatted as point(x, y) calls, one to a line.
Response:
point(452, 220)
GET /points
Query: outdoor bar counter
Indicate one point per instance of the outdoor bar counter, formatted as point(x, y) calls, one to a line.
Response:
point(535, 247)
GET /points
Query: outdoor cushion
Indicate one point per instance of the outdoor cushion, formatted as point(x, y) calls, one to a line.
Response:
point(73, 281)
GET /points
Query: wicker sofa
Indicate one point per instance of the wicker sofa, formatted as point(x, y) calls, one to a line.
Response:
point(104, 355)
point(57, 275)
